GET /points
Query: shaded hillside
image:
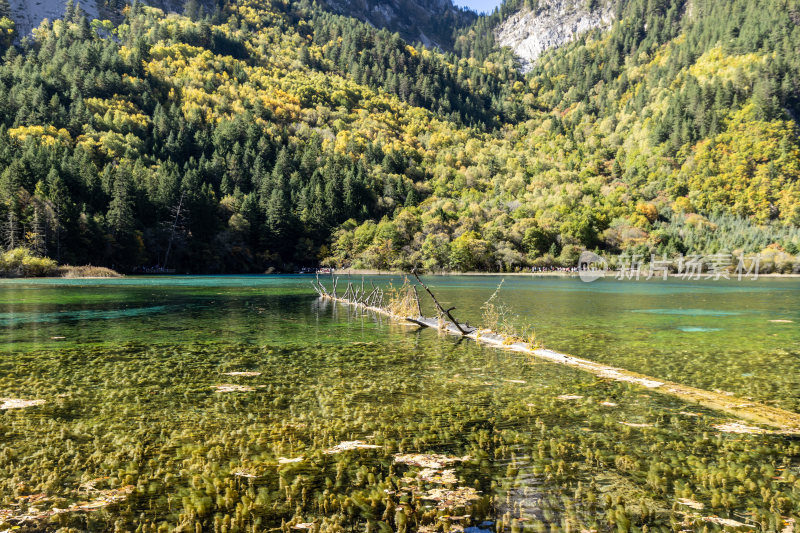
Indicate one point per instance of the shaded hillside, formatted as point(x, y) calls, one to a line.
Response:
point(429, 22)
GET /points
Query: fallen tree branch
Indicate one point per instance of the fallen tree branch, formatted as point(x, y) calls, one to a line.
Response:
point(787, 422)
point(438, 305)
point(416, 297)
point(316, 289)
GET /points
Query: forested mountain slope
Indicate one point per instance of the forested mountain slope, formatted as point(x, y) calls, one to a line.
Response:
point(274, 133)
point(429, 22)
point(28, 14)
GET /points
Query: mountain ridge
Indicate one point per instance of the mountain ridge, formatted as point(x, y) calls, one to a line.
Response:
point(291, 136)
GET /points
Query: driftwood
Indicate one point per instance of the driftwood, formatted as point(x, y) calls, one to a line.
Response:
point(786, 422)
point(358, 296)
point(441, 309)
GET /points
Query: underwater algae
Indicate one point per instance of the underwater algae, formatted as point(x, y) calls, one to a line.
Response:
point(133, 436)
point(139, 440)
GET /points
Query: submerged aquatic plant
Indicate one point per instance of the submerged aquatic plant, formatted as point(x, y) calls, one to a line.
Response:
point(134, 436)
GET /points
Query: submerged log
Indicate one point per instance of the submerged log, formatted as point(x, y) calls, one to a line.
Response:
point(374, 301)
point(786, 422)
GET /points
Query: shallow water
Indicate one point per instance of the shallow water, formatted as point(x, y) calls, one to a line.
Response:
point(129, 370)
point(741, 337)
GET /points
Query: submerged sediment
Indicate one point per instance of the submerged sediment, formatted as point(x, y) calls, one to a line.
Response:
point(783, 421)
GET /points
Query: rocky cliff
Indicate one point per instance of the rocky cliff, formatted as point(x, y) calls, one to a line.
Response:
point(531, 32)
point(28, 14)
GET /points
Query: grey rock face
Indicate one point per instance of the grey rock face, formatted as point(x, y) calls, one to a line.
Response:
point(530, 33)
point(28, 14)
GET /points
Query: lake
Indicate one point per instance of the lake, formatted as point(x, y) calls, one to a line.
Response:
point(247, 404)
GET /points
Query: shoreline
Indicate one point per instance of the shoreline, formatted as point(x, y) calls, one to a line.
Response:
point(373, 272)
point(21, 278)
point(555, 274)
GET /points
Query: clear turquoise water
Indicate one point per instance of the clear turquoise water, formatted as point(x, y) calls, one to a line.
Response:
point(710, 334)
point(128, 370)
